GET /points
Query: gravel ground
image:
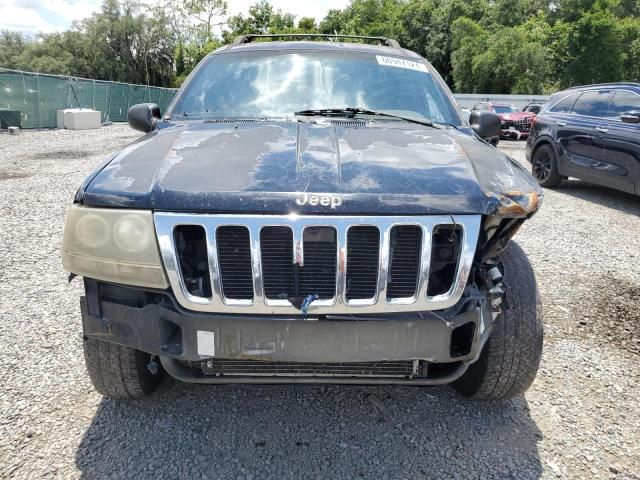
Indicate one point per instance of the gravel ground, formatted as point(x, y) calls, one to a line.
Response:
point(581, 418)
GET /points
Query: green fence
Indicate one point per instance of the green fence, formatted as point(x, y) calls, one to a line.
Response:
point(37, 96)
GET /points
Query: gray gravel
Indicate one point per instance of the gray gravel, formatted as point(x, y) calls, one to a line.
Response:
point(581, 419)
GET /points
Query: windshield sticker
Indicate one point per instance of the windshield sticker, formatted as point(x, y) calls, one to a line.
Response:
point(401, 63)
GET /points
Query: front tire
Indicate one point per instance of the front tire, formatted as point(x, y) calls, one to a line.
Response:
point(119, 372)
point(544, 167)
point(510, 359)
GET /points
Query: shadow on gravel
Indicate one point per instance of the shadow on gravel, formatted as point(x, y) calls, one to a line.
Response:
point(60, 155)
point(255, 432)
point(607, 197)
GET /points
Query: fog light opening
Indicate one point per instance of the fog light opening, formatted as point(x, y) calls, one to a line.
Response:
point(462, 340)
point(171, 335)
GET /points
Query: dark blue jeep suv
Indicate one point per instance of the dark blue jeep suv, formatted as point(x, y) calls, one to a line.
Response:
point(591, 133)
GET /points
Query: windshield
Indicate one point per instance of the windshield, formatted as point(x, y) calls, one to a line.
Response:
point(275, 84)
point(503, 109)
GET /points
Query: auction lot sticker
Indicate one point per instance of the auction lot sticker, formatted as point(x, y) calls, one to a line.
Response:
point(401, 63)
point(206, 343)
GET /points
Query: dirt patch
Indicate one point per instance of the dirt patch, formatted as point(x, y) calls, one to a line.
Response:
point(613, 313)
point(12, 174)
point(61, 154)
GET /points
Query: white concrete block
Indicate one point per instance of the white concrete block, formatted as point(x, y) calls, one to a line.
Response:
point(81, 119)
point(60, 118)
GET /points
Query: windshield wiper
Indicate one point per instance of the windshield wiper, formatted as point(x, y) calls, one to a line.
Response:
point(352, 111)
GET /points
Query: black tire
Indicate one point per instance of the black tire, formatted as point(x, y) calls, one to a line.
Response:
point(544, 167)
point(119, 372)
point(510, 359)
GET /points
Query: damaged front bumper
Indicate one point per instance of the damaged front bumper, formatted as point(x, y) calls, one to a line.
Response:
point(515, 130)
point(198, 347)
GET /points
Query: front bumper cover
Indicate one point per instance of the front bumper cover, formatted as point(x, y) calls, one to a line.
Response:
point(172, 334)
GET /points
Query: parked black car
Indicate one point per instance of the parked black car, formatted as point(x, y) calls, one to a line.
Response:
point(308, 212)
point(591, 133)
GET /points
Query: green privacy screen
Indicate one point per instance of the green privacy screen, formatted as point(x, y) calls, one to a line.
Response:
point(37, 96)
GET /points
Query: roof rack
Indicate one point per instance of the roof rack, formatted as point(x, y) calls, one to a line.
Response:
point(389, 42)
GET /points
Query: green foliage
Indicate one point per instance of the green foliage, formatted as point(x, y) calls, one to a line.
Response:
point(531, 46)
point(510, 60)
point(630, 31)
point(468, 40)
point(12, 44)
point(490, 46)
point(364, 17)
point(426, 27)
point(594, 49)
point(205, 13)
point(307, 25)
point(262, 19)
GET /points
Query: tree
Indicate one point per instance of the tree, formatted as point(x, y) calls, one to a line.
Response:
point(468, 41)
point(206, 12)
point(493, 46)
point(262, 19)
point(510, 13)
point(630, 32)
point(594, 50)
point(364, 17)
point(333, 22)
point(425, 27)
point(307, 25)
point(46, 55)
point(12, 44)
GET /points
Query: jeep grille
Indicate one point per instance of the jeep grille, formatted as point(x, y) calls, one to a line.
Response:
point(270, 264)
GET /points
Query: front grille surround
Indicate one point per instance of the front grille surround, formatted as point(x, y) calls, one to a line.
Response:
point(339, 304)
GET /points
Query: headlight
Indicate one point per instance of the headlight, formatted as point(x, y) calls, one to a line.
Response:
point(113, 245)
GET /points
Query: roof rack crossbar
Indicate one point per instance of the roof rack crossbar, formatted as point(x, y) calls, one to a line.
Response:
point(389, 42)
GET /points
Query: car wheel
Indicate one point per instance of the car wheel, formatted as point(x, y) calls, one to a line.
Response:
point(120, 372)
point(510, 359)
point(544, 167)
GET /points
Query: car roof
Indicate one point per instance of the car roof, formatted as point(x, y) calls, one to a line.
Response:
point(595, 86)
point(320, 46)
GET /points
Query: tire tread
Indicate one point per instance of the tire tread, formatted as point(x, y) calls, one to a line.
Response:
point(511, 356)
point(117, 371)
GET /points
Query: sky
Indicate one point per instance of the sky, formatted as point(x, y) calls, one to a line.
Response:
point(33, 16)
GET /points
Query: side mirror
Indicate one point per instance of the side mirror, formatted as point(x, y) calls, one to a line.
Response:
point(143, 116)
point(631, 117)
point(486, 124)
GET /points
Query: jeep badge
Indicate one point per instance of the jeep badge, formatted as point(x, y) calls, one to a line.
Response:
point(324, 200)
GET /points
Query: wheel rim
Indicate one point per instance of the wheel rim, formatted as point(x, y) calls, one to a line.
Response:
point(541, 167)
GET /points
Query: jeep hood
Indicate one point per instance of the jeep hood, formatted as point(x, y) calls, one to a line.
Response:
point(263, 167)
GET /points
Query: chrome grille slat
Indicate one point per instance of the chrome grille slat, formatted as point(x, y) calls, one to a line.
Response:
point(339, 304)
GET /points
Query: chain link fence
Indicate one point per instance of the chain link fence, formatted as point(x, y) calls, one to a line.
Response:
point(37, 96)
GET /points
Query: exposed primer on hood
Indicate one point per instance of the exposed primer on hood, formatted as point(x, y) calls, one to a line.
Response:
point(264, 167)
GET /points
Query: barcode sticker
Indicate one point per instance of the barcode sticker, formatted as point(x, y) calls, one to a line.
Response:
point(401, 63)
point(206, 343)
